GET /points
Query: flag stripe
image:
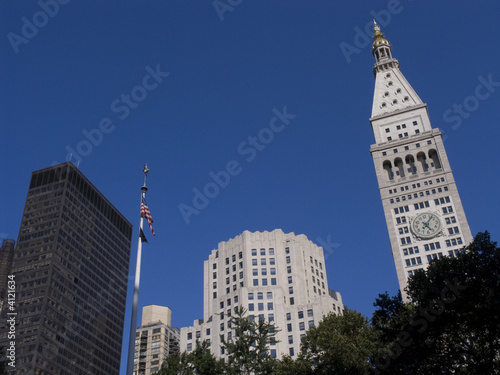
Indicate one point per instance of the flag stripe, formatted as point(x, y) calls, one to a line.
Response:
point(145, 213)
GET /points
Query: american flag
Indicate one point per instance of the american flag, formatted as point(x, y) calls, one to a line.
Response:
point(145, 213)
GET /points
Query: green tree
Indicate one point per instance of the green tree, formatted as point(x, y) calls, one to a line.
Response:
point(451, 323)
point(198, 362)
point(289, 366)
point(247, 350)
point(340, 344)
point(391, 321)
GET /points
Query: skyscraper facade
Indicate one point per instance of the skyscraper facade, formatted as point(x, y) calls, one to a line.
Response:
point(276, 276)
point(422, 207)
point(71, 269)
point(155, 339)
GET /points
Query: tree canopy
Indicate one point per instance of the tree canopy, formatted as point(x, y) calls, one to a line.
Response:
point(341, 344)
point(451, 323)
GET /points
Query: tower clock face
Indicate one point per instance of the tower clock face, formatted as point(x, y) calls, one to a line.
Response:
point(426, 225)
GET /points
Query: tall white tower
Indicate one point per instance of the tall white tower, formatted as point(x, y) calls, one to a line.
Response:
point(423, 211)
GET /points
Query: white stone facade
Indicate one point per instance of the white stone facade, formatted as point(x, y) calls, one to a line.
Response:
point(413, 172)
point(280, 277)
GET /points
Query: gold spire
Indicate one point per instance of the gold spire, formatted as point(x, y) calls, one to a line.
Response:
point(378, 36)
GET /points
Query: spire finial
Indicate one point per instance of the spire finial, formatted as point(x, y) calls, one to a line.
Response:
point(145, 170)
point(382, 51)
point(378, 36)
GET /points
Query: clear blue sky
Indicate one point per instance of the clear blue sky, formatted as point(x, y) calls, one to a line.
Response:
point(66, 77)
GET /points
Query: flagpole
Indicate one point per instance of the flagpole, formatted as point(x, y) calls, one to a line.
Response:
point(135, 300)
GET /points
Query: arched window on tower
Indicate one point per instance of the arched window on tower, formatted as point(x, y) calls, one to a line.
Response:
point(398, 162)
point(410, 160)
point(433, 155)
point(388, 167)
point(423, 161)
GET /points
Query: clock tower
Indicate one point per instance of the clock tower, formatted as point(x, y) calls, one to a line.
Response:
point(422, 207)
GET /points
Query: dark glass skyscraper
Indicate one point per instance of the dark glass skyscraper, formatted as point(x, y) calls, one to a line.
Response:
point(71, 269)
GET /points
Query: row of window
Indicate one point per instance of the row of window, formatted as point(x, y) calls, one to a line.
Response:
point(430, 257)
point(447, 210)
point(263, 261)
point(411, 250)
point(263, 252)
point(264, 282)
point(260, 306)
point(405, 240)
point(416, 185)
point(413, 261)
point(442, 200)
point(395, 101)
point(406, 148)
point(302, 326)
point(421, 205)
point(450, 220)
point(300, 314)
point(198, 334)
point(454, 242)
point(401, 220)
point(260, 295)
point(234, 278)
point(404, 135)
point(399, 127)
point(420, 194)
point(401, 210)
point(214, 284)
point(229, 302)
point(432, 246)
